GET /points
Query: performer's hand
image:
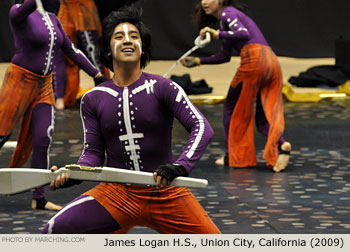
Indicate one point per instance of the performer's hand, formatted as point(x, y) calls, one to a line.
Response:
point(214, 33)
point(203, 42)
point(60, 179)
point(99, 79)
point(165, 174)
point(98, 75)
point(190, 61)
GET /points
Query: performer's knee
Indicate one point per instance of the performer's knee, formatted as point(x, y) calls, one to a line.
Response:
point(55, 227)
point(45, 229)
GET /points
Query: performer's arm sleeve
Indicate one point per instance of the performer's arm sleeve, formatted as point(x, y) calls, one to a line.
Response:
point(222, 57)
point(193, 121)
point(237, 30)
point(94, 147)
point(76, 55)
point(19, 12)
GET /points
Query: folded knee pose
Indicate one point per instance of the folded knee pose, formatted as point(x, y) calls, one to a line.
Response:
point(128, 121)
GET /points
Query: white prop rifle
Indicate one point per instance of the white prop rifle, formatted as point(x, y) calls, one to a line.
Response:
point(16, 180)
point(199, 43)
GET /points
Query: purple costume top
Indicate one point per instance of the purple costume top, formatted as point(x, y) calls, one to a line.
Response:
point(236, 30)
point(38, 37)
point(133, 125)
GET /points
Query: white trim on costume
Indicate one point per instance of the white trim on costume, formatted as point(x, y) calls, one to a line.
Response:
point(196, 114)
point(51, 222)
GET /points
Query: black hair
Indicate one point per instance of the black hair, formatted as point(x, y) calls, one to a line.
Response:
point(130, 14)
point(202, 19)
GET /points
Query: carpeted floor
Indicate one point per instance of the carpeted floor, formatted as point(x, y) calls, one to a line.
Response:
point(311, 196)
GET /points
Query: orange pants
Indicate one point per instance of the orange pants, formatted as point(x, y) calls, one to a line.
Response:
point(171, 210)
point(20, 92)
point(259, 71)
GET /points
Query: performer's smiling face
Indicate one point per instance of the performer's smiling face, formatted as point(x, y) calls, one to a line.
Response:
point(126, 44)
point(210, 6)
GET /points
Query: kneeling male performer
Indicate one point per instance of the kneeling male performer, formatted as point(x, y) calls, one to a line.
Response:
point(130, 118)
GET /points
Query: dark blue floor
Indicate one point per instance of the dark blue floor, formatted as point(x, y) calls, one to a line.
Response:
point(311, 196)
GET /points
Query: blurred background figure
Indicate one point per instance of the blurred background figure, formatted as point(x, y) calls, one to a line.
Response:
point(81, 22)
point(258, 79)
point(27, 93)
